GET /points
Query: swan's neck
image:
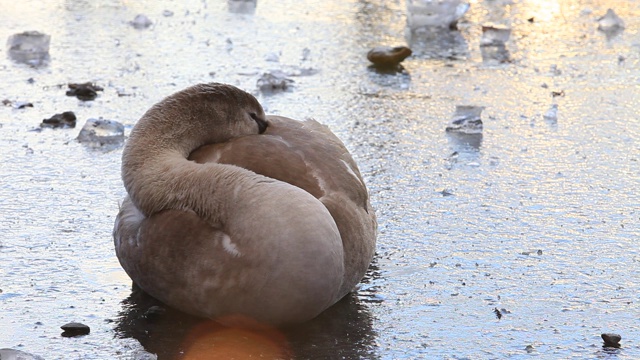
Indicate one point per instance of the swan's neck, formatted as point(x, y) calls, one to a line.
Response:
point(169, 181)
point(155, 168)
point(158, 176)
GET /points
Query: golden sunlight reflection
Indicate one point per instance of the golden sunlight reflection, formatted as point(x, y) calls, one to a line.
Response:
point(210, 340)
point(545, 10)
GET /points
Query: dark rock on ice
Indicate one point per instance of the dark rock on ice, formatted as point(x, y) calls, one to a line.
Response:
point(386, 56)
point(498, 313)
point(611, 340)
point(65, 120)
point(84, 91)
point(74, 329)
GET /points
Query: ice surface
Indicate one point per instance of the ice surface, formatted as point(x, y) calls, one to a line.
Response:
point(565, 190)
point(29, 47)
point(437, 43)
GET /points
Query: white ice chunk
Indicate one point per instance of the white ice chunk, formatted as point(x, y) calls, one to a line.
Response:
point(610, 22)
point(30, 47)
point(434, 13)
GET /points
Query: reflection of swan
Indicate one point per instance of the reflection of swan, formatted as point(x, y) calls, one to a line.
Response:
point(271, 222)
point(343, 331)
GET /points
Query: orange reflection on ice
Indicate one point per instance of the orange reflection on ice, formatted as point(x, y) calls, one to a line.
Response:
point(210, 340)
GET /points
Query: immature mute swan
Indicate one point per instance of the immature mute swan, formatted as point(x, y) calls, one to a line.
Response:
point(241, 217)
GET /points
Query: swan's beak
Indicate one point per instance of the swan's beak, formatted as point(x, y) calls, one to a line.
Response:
point(262, 124)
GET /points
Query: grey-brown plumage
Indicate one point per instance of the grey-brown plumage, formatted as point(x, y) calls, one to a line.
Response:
point(229, 220)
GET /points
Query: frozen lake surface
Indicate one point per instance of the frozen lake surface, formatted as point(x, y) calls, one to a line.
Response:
point(537, 219)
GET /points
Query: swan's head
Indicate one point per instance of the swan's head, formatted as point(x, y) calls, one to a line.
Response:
point(198, 115)
point(222, 108)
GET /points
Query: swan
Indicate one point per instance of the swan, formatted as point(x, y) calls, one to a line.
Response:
point(241, 217)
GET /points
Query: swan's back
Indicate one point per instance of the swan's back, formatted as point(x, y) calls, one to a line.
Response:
point(308, 155)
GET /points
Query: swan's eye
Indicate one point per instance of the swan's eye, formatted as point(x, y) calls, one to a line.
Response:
point(262, 123)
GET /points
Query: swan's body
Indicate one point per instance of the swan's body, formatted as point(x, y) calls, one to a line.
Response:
point(236, 216)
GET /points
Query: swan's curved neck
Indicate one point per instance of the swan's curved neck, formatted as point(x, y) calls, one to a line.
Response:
point(155, 170)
